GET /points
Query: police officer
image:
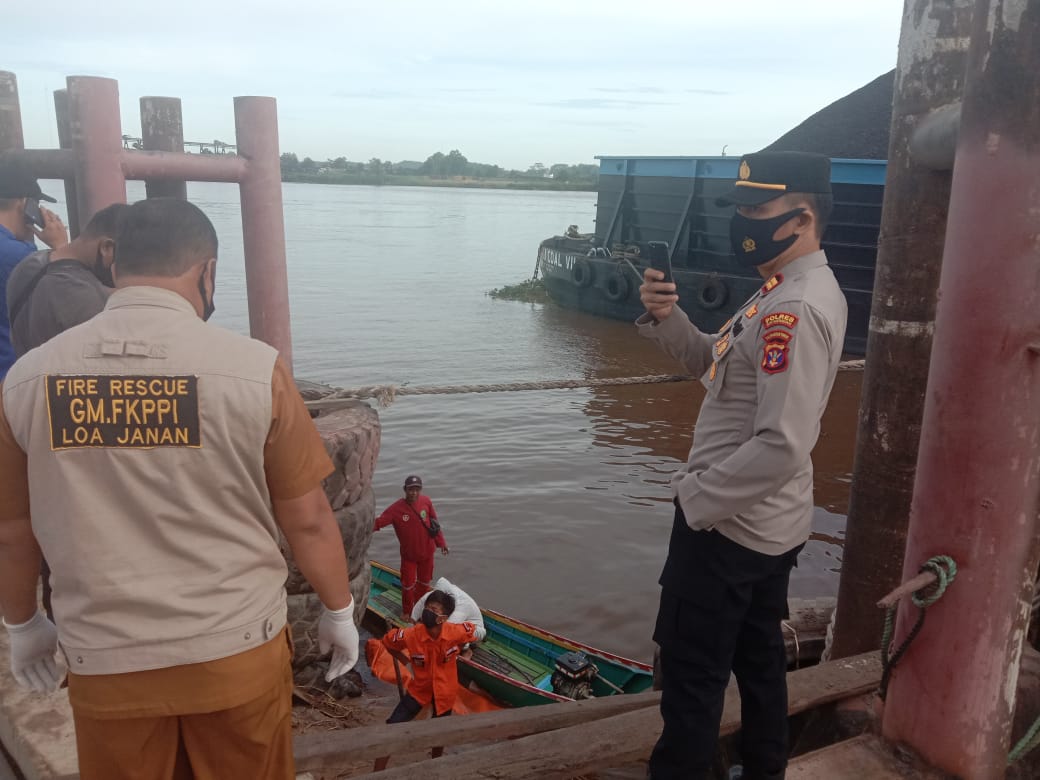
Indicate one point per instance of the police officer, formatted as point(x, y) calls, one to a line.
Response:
point(161, 457)
point(743, 501)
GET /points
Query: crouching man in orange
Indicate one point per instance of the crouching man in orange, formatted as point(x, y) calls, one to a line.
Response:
point(433, 647)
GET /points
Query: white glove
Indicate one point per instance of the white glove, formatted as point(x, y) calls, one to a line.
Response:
point(33, 647)
point(336, 631)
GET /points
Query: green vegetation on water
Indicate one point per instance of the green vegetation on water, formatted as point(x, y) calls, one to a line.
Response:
point(529, 291)
point(439, 170)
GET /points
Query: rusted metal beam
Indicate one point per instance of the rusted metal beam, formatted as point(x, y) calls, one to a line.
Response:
point(977, 495)
point(929, 74)
point(61, 115)
point(162, 130)
point(10, 113)
point(48, 163)
point(97, 142)
point(263, 226)
point(173, 167)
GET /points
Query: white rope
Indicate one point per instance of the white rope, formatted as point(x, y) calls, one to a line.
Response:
point(387, 394)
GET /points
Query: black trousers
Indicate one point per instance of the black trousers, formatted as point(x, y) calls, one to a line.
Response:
point(408, 708)
point(725, 618)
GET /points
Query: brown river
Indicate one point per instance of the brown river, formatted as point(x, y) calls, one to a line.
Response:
point(555, 502)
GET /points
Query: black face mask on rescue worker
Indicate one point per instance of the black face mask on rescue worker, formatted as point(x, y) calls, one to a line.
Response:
point(208, 307)
point(752, 239)
point(429, 618)
point(104, 275)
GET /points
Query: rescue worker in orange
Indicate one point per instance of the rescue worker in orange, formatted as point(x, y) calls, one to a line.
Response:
point(433, 647)
point(415, 522)
point(161, 457)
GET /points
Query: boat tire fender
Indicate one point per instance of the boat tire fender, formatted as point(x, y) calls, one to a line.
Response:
point(581, 272)
point(617, 288)
point(712, 293)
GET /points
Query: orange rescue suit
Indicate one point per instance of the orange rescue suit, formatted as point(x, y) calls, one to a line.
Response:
point(435, 677)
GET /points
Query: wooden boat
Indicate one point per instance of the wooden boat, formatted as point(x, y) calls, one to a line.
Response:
point(518, 664)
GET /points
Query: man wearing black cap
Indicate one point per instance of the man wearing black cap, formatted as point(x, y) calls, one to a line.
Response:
point(20, 198)
point(415, 522)
point(743, 501)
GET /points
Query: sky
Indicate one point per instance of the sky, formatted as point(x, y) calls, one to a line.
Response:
point(507, 83)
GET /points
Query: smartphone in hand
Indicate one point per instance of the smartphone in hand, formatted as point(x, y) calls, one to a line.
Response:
point(660, 260)
point(33, 215)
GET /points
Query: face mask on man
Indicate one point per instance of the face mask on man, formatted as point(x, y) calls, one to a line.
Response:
point(103, 274)
point(429, 618)
point(208, 306)
point(752, 239)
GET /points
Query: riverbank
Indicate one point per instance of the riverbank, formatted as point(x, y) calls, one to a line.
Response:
point(395, 180)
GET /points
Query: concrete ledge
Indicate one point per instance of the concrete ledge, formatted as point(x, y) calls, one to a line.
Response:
point(36, 729)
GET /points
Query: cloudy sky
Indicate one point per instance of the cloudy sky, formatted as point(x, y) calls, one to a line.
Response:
point(512, 83)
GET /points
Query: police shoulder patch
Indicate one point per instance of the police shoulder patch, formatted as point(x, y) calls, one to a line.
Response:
point(772, 283)
point(775, 357)
point(780, 318)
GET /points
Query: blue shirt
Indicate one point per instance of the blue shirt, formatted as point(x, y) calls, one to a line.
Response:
point(12, 251)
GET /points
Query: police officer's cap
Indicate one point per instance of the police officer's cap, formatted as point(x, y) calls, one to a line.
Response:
point(764, 176)
point(412, 481)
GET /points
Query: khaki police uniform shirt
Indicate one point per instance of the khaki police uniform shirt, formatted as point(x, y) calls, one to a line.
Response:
point(768, 374)
point(295, 462)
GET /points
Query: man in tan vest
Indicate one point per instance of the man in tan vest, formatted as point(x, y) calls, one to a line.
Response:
point(161, 456)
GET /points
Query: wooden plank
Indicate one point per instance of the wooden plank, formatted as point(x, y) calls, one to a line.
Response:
point(863, 756)
point(324, 750)
point(629, 737)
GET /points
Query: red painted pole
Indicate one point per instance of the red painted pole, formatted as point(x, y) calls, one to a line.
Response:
point(172, 166)
point(61, 114)
point(97, 140)
point(10, 113)
point(977, 493)
point(263, 228)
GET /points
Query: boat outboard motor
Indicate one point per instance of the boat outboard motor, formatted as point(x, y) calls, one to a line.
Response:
point(574, 675)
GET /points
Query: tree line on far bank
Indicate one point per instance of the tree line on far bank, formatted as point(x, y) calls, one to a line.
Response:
point(438, 167)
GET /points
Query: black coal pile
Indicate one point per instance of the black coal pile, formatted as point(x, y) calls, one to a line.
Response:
point(855, 126)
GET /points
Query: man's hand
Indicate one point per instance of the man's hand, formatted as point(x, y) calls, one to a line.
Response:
point(33, 647)
point(337, 632)
point(658, 297)
point(53, 233)
point(445, 550)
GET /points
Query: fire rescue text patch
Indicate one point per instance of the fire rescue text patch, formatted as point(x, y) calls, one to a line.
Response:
point(123, 411)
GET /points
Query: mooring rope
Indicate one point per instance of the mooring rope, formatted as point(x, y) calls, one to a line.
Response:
point(387, 394)
point(944, 569)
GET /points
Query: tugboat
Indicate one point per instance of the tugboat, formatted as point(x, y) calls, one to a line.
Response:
point(643, 199)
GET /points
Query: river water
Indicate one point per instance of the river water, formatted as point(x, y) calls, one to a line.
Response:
point(554, 503)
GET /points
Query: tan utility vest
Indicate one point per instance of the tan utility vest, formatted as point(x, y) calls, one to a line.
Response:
point(145, 431)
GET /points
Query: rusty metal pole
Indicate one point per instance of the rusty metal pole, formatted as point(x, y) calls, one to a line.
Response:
point(162, 130)
point(263, 228)
point(977, 494)
point(61, 113)
point(97, 140)
point(10, 113)
point(929, 75)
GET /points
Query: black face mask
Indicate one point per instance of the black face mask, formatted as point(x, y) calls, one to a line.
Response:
point(429, 618)
point(104, 275)
point(208, 307)
point(752, 239)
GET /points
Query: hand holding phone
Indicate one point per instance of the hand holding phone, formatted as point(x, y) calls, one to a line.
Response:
point(660, 260)
point(33, 214)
